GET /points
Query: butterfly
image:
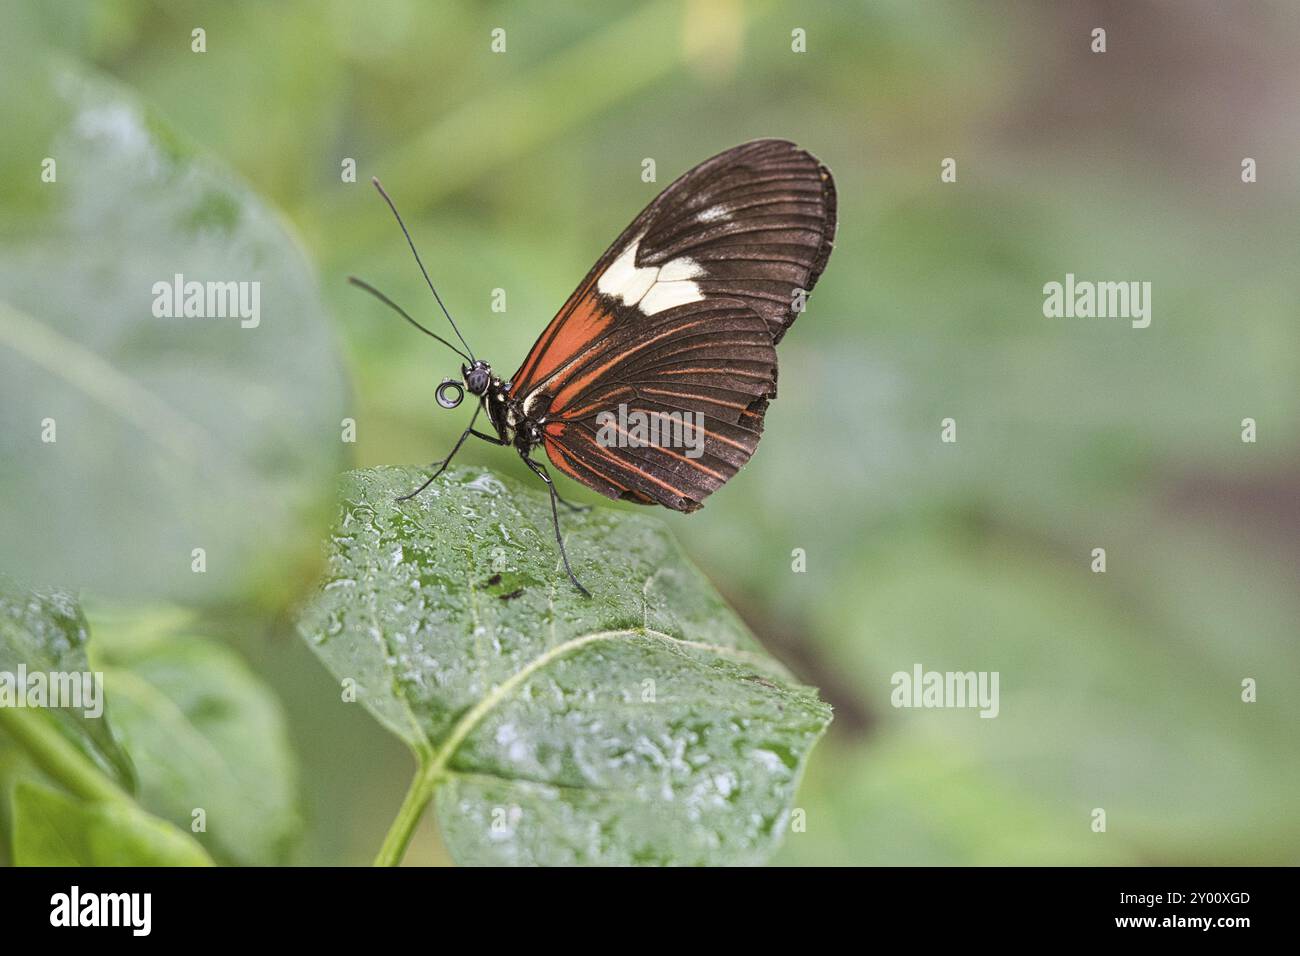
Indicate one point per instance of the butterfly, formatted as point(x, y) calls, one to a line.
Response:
point(672, 333)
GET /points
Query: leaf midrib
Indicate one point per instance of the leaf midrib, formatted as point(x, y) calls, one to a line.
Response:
point(436, 768)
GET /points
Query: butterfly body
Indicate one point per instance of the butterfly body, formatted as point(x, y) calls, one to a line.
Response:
point(506, 414)
point(676, 323)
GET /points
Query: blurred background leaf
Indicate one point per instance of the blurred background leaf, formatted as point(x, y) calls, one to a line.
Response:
point(184, 731)
point(45, 633)
point(53, 829)
point(133, 440)
point(204, 732)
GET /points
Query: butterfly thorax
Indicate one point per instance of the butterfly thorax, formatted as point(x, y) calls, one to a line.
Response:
point(506, 413)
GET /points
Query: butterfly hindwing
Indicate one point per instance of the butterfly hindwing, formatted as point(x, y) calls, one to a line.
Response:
point(705, 368)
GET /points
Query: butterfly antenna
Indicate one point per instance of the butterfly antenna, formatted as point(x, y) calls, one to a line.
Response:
point(420, 263)
point(402, 312)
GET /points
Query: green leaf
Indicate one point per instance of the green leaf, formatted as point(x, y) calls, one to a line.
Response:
point(45, 632)
point(642, 725)
point(52, 829)
point(202, 732)
point(169, 434)
point(205, 734)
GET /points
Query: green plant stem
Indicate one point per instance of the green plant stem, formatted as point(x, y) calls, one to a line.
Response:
point(54, 754)
point(408, 816)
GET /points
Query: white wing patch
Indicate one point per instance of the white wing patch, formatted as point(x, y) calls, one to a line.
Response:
point(651, 288)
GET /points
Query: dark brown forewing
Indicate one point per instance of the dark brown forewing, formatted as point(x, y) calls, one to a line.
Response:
point(753, 224)
point(759, 220)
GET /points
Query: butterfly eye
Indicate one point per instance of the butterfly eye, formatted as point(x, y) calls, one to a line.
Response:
point(444, 393)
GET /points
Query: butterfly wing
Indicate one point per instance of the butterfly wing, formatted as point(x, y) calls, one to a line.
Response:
point(703, 371)
point(681, 314)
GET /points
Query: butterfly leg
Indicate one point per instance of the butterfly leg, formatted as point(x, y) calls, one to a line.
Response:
point(442, 465)
point(539, 470)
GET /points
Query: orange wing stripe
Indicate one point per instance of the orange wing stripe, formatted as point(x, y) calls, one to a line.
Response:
point(576, 327)
point(645, 475)
point(719, 371)
point(575, 386)
point(698, 398)
point(562, 460)
point(672, 454)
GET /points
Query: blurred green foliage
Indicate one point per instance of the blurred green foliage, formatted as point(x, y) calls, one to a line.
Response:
point(1120, 690)
point(183, 440)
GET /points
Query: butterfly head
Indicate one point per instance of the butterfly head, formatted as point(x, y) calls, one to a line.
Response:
point(478, 376)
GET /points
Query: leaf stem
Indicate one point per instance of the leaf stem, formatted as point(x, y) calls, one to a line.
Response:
point(408, 816)
point(57, 756)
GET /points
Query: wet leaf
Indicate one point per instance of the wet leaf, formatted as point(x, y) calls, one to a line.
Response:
point(44, 632)
point(642, 725)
